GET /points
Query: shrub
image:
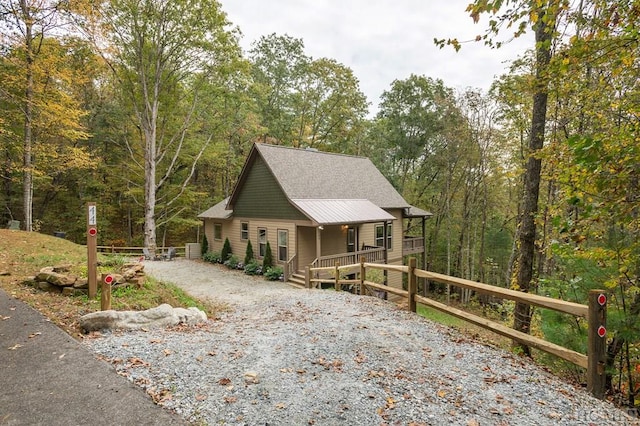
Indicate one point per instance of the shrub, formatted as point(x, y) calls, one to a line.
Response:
point(205, 245)
point(248, 257)
point(232, 262)
point(226, 250)
point(273, 273)
point(253, 268)
point(212, 257)
point(267, 262)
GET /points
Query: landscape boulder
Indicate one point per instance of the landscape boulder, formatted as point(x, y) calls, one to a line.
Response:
point(161, 316)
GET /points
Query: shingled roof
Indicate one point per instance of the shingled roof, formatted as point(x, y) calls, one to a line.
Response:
point(310, 174)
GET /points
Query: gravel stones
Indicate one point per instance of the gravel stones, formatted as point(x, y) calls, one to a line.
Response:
point(289, 356)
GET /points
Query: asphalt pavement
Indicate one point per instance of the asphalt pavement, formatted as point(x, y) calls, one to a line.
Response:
point(48, 378)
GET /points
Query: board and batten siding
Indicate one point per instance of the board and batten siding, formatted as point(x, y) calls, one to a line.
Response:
point(261, 197)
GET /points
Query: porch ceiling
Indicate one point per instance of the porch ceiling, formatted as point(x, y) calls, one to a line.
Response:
point(335, 212)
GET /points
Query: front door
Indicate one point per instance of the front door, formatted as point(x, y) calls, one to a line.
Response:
point(351, 239)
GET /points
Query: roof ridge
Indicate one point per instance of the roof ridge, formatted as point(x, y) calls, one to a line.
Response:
point(311, 150)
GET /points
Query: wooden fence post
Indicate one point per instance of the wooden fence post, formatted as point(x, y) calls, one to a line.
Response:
point(338, 285)
point(412, 287)
point(363, 275)
point(307, 277)
point(105, 295)
point(597, 343)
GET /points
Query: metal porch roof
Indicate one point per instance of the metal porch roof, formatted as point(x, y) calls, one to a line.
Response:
point(342, 211)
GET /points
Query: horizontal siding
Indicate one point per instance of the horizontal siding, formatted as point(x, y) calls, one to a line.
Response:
point(233, 229)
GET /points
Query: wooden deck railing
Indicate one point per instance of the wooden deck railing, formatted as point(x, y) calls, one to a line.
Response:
point(594, 312)
point(290, 267)
point(411, 245)
point(371, 255)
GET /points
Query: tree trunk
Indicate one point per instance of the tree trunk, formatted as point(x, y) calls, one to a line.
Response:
point(527, 235)
point(150, 187)
point(27, 182)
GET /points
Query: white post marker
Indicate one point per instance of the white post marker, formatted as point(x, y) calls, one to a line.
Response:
point(92, 256)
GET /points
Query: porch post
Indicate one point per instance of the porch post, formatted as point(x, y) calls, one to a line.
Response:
point(318, 242)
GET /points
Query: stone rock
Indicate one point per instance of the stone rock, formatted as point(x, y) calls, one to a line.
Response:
point(62, 268)
point(4, 273)
point(72, 291)
point(55, 278)
point(47, 269)
point(251, 378)
point(161, 316)
point(81, 283)
point(46, 286)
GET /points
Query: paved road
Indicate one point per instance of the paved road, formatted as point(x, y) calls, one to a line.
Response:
point(48, 378)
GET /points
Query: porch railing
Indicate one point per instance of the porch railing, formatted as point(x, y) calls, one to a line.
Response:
point(412, 245)
point(290, 268)
point(371, 255)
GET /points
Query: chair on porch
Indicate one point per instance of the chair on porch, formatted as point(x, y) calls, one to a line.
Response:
point(170, 254)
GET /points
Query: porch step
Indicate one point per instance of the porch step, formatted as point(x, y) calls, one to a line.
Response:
point(297, 280)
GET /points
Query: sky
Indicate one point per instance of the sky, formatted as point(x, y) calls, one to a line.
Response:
point(381, 40)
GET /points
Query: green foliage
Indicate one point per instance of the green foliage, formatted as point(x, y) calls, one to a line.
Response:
point(212, 257)
point(273, 273)
point(267, 262)
point(253, 268)
point(226, 250)
point(248, 257)
point(205, 245)
point(232, 262)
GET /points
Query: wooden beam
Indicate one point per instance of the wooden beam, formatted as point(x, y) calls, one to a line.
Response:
point(385, 267)
point(392, 290)
point(504, 293)
point(559, 351)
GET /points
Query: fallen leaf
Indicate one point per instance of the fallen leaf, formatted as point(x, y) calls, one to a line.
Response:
point(199, 358)
point(200, 397)
point(32, 335)
point(280, 406)
point(442, 393)
point(156, 341)
point(473, 422)
point(224, 381)
point(14, 347)
point(167, 352)
point(4, 318)
point(212, 353)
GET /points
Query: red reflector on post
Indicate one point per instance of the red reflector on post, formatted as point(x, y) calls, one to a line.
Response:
point(602, 331)
point(108, 279)
point(93, 232)
point(602, 299)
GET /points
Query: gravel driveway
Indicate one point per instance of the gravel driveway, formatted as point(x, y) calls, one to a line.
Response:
point(285, 356)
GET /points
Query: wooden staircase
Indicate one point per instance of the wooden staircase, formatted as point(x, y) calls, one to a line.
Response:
point(297, 280)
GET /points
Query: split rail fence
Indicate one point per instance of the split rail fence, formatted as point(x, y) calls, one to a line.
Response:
point(594, 312)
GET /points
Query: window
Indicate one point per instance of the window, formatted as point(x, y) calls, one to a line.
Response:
point(262, 242)
point(283, 244)
point(217, 231)
point(244, 230)
point(380, 236)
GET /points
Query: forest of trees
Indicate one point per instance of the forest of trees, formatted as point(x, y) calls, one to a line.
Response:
point(150, 107)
